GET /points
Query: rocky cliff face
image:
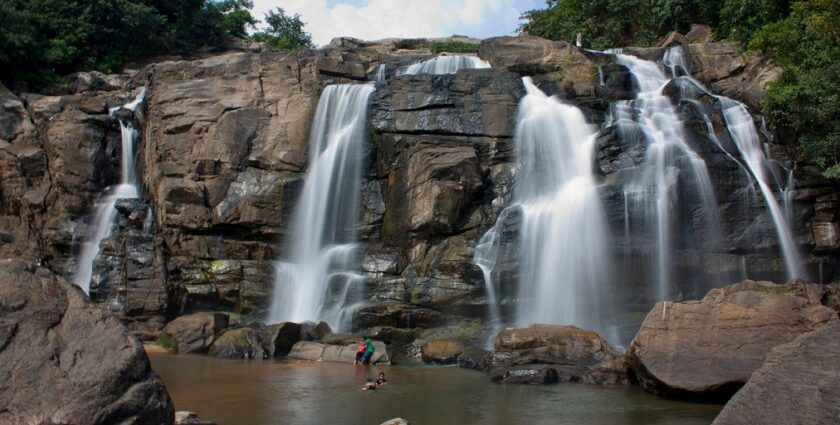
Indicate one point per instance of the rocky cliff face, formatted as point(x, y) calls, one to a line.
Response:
point(225, 146)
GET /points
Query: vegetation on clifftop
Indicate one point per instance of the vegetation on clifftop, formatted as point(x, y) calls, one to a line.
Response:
point(803, 37)
point(41, 40)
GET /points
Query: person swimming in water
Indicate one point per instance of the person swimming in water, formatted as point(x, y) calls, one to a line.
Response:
point(381, 380)
point(369, 386)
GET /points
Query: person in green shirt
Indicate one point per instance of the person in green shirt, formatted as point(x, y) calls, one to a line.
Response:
point(368, 351)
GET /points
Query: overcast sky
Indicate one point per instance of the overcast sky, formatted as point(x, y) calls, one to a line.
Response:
point(376, 19)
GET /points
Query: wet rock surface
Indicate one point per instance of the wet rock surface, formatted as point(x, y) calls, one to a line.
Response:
point(707, 349)
point(66, 360)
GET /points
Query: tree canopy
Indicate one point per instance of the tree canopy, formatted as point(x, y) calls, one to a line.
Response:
point(42, 40)
point(284, 31)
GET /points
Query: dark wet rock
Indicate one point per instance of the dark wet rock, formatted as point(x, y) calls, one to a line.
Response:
point(528, 374)
point(194, 333)
point(282, 337)
point(65, 360)
point(796, 384)
point(707, 349)
point(396, 314)
point(471, 357)
point(442, 351)
point(312, 331)
point(524, 355)
point(619, 147)
point(341, 339)
point(391, 335)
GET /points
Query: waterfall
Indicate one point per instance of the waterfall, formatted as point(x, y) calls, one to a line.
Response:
point(669, 163)
point(485, 257)
point(317, 280)
point(563, 255)
point(446, 65)
point(741, 127)
point(379, 77)
point(105, 210)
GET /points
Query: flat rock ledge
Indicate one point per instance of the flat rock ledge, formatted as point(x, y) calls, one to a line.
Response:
point(706, 350)
point(65, 360)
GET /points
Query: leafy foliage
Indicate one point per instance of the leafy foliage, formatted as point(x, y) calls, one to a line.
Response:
point(452, 46)
point(612, 23)
point(284, 31)
point(803, 105)
point(43, 39)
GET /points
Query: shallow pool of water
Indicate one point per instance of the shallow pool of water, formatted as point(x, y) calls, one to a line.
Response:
point(233, 392)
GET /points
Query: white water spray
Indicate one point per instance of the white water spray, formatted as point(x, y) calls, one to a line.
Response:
point(446, 65)
point(563, 273)
point(669, 161)
point(742, 129)
point(105, 209)
point(317, 281)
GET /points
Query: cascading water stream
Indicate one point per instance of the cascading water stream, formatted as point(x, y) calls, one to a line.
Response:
point(446, 65)
point(563, 278)
point(741, 127)
point(669, 162)
point(105, 209)
point(317, 281)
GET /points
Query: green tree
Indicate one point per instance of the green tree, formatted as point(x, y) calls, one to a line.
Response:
point(44, 39)
point(615, 23)
point(284, 31)
point(803, 105)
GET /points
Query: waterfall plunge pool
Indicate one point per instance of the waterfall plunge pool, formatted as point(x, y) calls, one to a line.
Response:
point(233, 392)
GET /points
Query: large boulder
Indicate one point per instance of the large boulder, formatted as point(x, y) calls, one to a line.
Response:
point(282, 337)
point(316, 351)
point(65, 360)
point(530, 55)
point(524, 355)
point(797, 384)
point(241, 343)
point(442, 351)
point(194, 333)
point(707, 349)
point(724, 68)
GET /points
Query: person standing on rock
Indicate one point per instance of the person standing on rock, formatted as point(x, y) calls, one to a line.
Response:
point(368, 351)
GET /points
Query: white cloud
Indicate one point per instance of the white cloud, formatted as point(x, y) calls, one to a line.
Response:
point(376, 19)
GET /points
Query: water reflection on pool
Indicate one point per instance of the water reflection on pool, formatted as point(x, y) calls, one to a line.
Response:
point(232, 392)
